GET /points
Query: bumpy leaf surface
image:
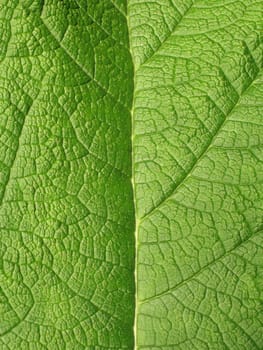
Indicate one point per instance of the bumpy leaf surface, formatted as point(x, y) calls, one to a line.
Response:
point(131, 173)
point(66, 215)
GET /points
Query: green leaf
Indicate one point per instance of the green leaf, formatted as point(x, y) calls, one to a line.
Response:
point(198, 172)
point(66, 215)
point(131, 174)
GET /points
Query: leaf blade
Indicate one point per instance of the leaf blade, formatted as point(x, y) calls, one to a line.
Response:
point(67, 246)
point(198, 179)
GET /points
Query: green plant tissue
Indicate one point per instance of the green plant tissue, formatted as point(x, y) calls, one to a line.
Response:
point(131, 174)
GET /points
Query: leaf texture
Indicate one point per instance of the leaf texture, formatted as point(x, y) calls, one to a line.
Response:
point(67, 242)
point(131, 174)
point(198, 173)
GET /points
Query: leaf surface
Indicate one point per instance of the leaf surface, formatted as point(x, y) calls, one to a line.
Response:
point(198, 173)
point(67, 235)
point(131, 174)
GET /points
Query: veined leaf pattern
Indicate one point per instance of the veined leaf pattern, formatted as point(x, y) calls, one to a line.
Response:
point(131, 174)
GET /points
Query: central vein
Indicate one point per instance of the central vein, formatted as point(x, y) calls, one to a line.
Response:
point(134, 201)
